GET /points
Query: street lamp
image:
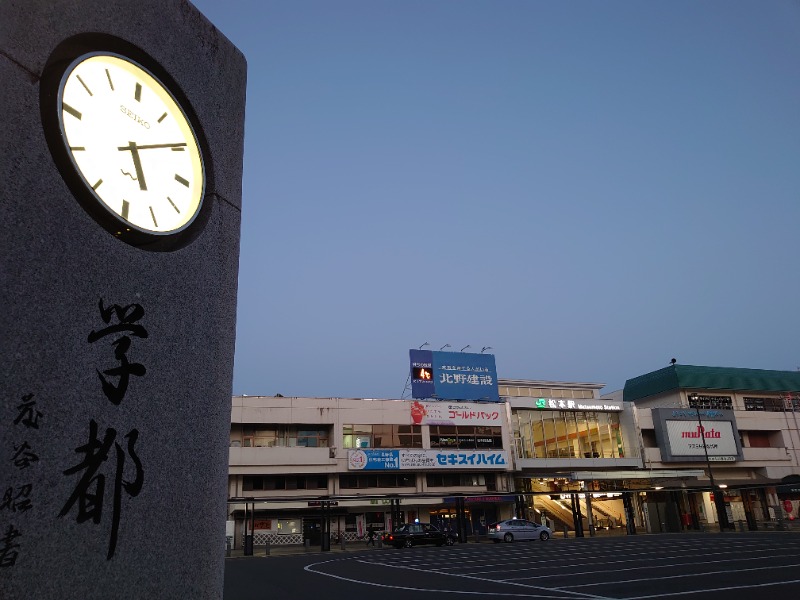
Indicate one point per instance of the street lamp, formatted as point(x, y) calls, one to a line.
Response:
point(719, 500)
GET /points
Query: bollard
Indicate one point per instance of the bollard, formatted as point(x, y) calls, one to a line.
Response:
point(266, 548)
point(228, 548)
point(342, 541)
point(380, 541)
point(307, 544)
point(565, 531)
point(741, 525)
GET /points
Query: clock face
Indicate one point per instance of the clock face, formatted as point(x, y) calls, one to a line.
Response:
point(131, 143)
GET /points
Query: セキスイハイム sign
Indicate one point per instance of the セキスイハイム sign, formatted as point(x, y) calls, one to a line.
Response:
point(453, 376)
point(393, 460)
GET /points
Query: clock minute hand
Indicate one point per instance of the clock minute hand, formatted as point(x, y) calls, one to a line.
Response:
point(151, 146)
point(137, 164)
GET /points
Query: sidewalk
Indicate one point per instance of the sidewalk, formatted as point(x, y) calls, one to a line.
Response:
point(296, 549)
point(360, 546)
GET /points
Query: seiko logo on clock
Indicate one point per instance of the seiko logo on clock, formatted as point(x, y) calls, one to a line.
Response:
point(134, 116)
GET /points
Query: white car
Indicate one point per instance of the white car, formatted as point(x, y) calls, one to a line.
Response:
point(518, 529)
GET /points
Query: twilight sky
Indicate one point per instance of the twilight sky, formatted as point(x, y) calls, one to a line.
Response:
point(589, 188)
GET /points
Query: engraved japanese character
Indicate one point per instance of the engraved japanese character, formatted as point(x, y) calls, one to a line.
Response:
point(127, 316)
point(28, 415)
point(89, 493)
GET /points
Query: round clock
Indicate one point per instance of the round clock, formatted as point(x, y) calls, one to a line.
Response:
point(132, 146)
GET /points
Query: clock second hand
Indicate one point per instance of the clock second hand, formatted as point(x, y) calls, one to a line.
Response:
point(137, 164)
point(133, 148)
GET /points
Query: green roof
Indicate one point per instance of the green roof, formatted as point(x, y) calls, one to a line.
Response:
point(677, 377)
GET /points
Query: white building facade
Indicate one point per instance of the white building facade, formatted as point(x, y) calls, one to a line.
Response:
point(377, 462)
point(737, 427)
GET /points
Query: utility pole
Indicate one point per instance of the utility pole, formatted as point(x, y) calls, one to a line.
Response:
point(719, 499)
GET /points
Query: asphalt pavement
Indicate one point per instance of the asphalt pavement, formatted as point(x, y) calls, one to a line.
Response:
point(608, 567)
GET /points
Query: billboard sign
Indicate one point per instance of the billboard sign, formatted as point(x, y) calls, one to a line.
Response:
point(450, 413)
point(683, 437)
point(403, 460)
point(453, 376)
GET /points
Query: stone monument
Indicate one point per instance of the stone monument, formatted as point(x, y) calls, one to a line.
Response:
point(120, 210)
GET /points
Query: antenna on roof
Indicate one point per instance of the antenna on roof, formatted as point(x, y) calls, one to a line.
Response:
point(423, 345)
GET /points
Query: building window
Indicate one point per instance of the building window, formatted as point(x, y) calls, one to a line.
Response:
point(759, 439)
point(447, 479)
point(567, 434)
point(466, 437)
point(311, 438)
point(710, 402)
point(382, 436)
point(284, 482)
point(360, 481)
point(765, 404)
point(289, 526)
point(270, 436)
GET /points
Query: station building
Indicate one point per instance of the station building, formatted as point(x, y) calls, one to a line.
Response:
point(555, 452)
point(573, 452)
point(390, 461)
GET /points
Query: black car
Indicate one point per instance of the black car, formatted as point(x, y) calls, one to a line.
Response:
point(414, 534)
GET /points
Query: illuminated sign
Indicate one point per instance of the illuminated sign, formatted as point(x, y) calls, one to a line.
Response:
point(393, 460)
point(683, 437)
point(453, 376)
point(585, 405)
point(422, 374)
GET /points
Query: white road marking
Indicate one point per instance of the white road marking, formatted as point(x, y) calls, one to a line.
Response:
point(720, 589)
point(439, 591)
point(681, 576)
point(547, 591)
point(617, 569)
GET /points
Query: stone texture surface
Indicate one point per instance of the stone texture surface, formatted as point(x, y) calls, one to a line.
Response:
point(56, 264)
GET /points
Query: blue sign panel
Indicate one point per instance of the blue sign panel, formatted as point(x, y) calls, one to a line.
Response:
point(374, 460)
point(413, 459)
point(453, 376)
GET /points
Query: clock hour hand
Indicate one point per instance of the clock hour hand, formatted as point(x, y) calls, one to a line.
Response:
point(137, 164)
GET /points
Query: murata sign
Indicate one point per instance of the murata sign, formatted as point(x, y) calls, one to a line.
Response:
point(689, 438)
point(685, 436)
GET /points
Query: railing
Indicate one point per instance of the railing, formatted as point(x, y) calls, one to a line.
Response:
point(261, 538)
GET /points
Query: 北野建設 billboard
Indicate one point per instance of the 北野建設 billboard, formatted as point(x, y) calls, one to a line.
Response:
point(453, 376)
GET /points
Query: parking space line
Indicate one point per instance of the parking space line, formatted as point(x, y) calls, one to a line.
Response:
point(615, 562)
point(617, 570)
point(719, 589)
point(681, 576)
point(493, 594)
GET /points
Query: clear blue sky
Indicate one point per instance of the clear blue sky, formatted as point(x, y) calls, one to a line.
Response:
point(590, 188)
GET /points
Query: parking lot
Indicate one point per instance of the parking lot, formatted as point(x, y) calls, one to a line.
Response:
point(739, 565)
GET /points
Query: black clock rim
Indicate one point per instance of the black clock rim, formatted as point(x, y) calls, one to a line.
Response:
point(63, 59)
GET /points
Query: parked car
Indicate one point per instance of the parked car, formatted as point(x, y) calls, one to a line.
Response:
point(518, 529)
point(414, 534)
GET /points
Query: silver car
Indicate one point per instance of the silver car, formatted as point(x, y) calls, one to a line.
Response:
point(518, 529)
